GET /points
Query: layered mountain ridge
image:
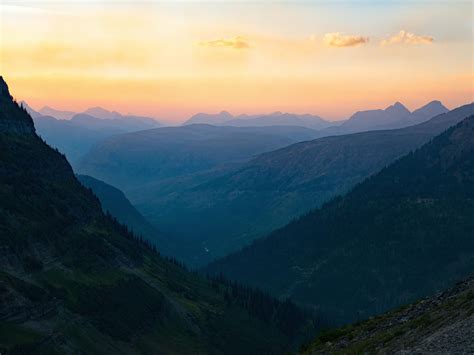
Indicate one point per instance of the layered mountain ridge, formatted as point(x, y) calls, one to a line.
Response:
point(137, 158)
point(225, 211)
point(403, 233)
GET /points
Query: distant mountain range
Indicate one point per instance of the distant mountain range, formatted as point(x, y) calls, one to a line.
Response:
point(394, 116)
point(97, 112)
point(402, 234)
point(58, 114)
point(74, 134)
point(73, 280)
point(209, 118)
point(224, 118)
point(226, 211)
point(120, 124)
point(138, 158)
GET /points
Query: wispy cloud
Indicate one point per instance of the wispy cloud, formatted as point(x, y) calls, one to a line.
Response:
point(404, 37)
point(338, 39)
point(235, 43)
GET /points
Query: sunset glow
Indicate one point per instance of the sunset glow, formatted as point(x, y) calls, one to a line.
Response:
point(171, 59)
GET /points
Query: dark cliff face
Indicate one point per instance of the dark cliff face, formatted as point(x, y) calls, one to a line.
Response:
point(13, 120)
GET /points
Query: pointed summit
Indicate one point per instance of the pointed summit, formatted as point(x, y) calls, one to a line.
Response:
point(4, 92)
point(397, 108)
point(14, 119)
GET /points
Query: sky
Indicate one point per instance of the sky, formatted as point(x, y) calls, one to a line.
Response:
point(171, 59)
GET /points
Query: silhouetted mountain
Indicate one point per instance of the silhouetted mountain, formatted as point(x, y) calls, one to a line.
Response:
point(440, 324)
point(428, 111)
point(209, 118)
point(137, 158)
point(116, 203)
point(14, 119)
point(74, 280)
point(219, 214)
point(58, 114)
point(393, 117)
point(34, 114)
point(402, 234)
point(397, 114)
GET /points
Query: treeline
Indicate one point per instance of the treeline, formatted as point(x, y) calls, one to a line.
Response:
point(286, 315)
point(292, 320)
point(140, 240)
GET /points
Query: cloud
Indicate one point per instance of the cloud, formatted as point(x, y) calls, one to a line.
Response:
point(404, 37)
point(338, 39)
point(235, 43)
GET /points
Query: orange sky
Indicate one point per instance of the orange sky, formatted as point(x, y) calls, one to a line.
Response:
point(171, 59)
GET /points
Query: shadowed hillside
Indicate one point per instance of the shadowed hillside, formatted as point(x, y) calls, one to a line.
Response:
point(114, 201)
point(73, 280)
point(225, 211)
point(138, 158)
point(402, 234)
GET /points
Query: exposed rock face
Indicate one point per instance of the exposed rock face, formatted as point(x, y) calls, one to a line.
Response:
point(12, 120)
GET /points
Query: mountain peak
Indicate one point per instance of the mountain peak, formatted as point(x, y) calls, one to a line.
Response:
point(397, 107)
point(430, 110)
point(435, 104)
point(4, 92)
point(14, 119)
